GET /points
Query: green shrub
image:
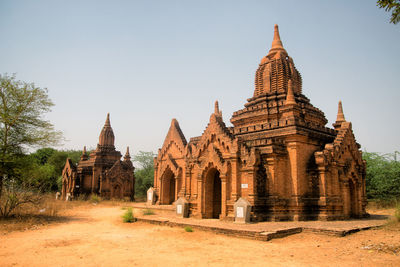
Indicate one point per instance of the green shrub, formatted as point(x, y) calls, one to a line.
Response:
point(188, 229)
point(382, 176)
point(94, 198)
point(148, 212)
point(128, 216)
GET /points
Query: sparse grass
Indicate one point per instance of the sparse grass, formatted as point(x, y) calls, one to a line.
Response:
point(188, 229)
point(28, 216)
point(128, 216)
point(148, 212)
point(383, 203)
point(94, 198)
point(397, 213)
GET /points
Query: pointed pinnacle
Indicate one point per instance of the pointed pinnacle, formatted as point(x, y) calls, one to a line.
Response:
point(216, 107)
point(340, 115)
point(107, 120)
point(290, 100)
point(127, 152)
point(276, 43)
point(84, 150)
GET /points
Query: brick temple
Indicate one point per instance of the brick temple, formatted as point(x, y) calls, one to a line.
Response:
point(279, 156)
point(102, 172)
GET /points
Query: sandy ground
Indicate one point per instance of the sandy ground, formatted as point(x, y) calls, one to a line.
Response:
point(96, 236)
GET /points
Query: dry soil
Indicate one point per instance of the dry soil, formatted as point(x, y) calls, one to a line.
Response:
point(96, 236)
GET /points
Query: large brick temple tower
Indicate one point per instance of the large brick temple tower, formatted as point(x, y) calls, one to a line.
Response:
point(279, 155)
point(102, 172)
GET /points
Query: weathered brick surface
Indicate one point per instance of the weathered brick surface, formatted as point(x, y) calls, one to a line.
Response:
point(279, 155)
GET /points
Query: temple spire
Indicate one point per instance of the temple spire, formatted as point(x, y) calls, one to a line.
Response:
point(290, 100)
point(217, 112)
point(107, 135)
point(84, 155)
point(277, 50)
point(108, 120)
point(127, 156)
point(340, 115)
point(276, 43)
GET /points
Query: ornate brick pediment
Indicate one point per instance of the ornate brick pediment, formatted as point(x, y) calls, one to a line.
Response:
point(218, 136)
point(120, 172)
point(174, 138)
point(69, 170)
point(344, 152)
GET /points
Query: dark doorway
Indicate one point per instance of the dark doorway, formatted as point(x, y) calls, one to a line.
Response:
point(168, 188)
point(212, 195)
point(216, 196)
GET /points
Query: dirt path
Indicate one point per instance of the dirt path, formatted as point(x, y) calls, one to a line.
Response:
point(97, 237)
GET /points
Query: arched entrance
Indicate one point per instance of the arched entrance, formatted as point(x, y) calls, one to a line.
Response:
point(212, 194)
point(168, 188)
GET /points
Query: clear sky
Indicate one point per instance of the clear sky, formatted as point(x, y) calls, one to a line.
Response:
point(146, 62)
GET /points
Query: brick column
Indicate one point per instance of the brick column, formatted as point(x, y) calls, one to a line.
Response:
point(223, 195)
point(234, 180)
point(200, 195)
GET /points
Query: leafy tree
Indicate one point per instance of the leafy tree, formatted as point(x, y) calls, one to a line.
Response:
point(42, 155)
point(383, 176)
point(391, 5)
point(22, 126)
point(47, 165)
point(144, 175)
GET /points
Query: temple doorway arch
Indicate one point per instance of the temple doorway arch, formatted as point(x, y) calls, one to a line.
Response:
point(212, 194)
point(168, 195)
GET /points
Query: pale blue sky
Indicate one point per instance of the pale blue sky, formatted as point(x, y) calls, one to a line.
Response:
point(147, 62)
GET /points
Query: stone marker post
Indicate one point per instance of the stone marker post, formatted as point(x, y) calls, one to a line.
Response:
point(242, 211)
point(151, 196)
point(182, 207)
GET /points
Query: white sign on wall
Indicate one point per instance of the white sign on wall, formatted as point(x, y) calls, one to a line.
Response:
point(149, 196)
point(239, 212)
point(245, 185)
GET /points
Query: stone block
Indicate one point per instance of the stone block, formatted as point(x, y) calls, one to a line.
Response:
point(182, 207)
point(151, 196)
point(242, 211)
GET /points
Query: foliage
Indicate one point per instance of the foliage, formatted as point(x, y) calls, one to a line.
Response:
point(383, 176)
point(94, 198)
point(188, 229)
point(14, 196)
point(22, 106)
point(45, 167)
point(391, 5)
point(144, 175)
point(128, 216)
point(148, 212)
